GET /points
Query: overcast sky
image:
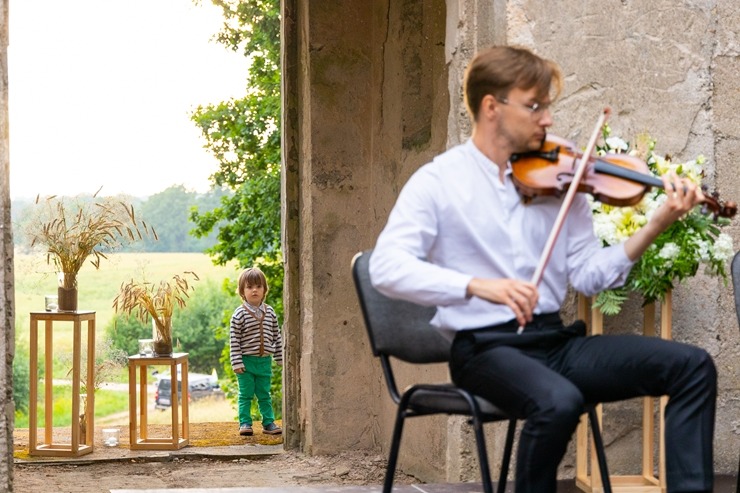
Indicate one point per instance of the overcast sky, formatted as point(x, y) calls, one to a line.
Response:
point(101, 91)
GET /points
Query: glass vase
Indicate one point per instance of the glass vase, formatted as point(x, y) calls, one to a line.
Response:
point(162, 336)
point(67, 291)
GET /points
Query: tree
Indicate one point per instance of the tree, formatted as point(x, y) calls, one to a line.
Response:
point(244, 135)
point(169, 212)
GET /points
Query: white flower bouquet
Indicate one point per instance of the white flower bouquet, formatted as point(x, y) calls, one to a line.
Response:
point(694, 241)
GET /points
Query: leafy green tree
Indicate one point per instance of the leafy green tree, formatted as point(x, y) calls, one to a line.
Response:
point(168, 212)
point(244, 135)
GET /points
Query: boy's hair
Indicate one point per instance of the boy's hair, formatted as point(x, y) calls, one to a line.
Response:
point(499, 69)
point(252, 276)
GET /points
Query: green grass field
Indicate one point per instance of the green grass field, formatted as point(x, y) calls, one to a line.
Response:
point(97, 288)
point(107, 402)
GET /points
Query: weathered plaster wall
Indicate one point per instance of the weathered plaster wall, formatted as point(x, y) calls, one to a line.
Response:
point(664, 68)
point(372, 90)
point(365, 104)
point(7, 324)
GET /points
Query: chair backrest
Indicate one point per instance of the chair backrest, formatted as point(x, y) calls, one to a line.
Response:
point(397, 328)
point(735, 274)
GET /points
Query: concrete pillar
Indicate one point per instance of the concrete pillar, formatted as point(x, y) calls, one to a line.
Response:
point(364, 104)
point(7, 308)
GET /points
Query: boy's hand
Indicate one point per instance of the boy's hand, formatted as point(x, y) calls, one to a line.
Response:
point(239, 370)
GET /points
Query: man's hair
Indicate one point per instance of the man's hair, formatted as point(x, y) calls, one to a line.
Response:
point(499, 69)
point(252, 276)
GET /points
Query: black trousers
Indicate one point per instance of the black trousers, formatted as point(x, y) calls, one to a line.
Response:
point(547, 374)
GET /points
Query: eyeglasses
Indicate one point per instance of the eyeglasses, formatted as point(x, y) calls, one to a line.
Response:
point(535, 109)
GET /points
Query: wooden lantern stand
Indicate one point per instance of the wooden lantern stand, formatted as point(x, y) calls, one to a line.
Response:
point(646, 482)
point(180, 430)
point(82, 431)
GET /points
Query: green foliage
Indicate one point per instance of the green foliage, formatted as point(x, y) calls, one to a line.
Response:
point(696, 240)
point(125, 330)
point(610, 301)
point(194, 327)
point(21, 378)
point(169, 210)
point(251, 228)
point(107, 402)
point(244, 135)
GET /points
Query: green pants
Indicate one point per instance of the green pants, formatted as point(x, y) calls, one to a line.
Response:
point(255, 381)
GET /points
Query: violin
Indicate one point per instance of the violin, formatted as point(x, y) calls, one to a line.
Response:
point(614, 179)
point(619, 180)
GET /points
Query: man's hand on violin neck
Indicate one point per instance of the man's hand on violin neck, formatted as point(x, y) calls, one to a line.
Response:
point(682, 195)
point(520, 296)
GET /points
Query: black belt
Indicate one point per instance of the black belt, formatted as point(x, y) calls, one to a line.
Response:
point(543, 330)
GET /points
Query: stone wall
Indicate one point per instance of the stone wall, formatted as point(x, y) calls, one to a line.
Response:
point(373, 90)
point(7, 324)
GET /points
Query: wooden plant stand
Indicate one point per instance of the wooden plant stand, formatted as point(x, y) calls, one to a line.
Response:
point(646, 482)
point(82, 432)
point(138, 433)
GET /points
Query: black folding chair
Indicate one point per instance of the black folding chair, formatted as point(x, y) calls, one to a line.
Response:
point(401, 330)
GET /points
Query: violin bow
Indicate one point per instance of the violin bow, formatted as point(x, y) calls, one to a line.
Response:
point(567, 202)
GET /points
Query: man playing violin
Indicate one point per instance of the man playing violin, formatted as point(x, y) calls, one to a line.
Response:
point(460, 238)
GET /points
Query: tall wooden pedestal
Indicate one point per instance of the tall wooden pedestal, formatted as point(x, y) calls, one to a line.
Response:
point(80, 445)
point(647, 481)
point(180, 430)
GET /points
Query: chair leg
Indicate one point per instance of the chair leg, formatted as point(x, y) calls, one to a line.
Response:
point(485, 472)
point(600, 452)
point(508, 448)
point(393, 453)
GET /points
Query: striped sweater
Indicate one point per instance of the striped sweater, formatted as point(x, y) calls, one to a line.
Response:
point(245, 335)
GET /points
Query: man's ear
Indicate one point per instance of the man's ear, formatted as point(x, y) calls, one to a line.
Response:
point(489, 106)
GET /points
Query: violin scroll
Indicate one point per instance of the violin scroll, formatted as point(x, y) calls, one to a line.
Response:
point(719, 209)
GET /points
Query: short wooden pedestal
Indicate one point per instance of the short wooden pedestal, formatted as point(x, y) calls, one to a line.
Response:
point(138, 433)
point(646, 482)
point(82, 430)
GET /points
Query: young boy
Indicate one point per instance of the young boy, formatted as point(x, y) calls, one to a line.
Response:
point(255, 340)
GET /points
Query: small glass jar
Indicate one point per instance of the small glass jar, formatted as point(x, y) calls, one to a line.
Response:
point(146, 347)
point(111, 437)
point(51, 302)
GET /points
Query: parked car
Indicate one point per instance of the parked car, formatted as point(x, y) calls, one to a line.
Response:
point(200, 386)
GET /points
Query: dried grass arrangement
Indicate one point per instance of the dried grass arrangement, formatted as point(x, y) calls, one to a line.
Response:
point(73, 231)
point(146, 299)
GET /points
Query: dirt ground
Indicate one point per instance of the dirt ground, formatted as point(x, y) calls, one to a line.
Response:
point(233, 461)
point(287, 469)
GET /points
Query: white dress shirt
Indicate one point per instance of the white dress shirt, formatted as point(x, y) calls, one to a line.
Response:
point(455, 220)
